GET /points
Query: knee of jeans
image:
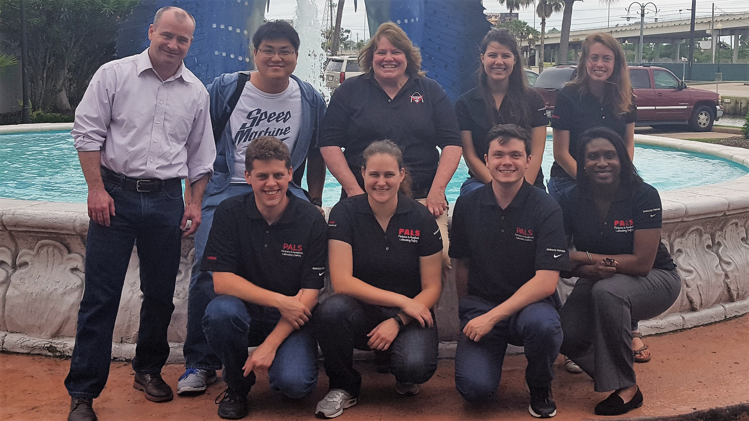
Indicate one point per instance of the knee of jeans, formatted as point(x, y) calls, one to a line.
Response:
point(473, 390)
point(333, 310)
point(224, 310)
point(294, 384)
point(413, 368)
point(544, 328)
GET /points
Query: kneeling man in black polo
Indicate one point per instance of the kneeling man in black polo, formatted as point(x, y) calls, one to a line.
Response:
point(267, 251)
point(508, 239)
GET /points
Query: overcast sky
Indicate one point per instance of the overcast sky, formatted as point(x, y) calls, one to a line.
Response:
point(588, 14)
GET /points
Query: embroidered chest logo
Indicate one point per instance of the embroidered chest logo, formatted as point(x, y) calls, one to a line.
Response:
point(332, 223)
point(408, 236)
point(623, 225)
point(417, 98)
point(292, 250)
point(523, 234)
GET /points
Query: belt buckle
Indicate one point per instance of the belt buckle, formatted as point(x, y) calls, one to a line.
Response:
point(147, 188)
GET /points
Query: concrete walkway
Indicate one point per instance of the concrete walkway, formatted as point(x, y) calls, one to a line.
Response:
point(698, 374)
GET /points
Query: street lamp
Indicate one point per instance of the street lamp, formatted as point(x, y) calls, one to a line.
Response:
point(530, 43)
point(718, 74)
point(642, 23)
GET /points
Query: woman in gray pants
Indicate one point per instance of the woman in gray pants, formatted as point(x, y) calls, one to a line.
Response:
point(626, 273)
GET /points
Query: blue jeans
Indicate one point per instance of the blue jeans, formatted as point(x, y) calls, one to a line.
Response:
point(231, 326)
point(471, 184)
point(478, 365)
point(197, 352)
point(342, 324)
point(150, 221)
point(559, 186)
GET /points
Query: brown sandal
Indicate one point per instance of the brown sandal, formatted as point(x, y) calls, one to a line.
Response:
point(639, 355)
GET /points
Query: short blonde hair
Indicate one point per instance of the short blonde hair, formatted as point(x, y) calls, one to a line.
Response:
point(400, 40)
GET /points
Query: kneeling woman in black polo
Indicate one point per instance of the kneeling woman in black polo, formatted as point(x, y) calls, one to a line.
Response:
point(614, 220)
point(385, 265)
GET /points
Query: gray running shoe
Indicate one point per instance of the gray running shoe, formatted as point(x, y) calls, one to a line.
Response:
point(195, 381)
point(333, 404)
point(408, 389)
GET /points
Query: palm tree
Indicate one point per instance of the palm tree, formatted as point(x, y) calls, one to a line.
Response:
point(544, 10)
point(6, 60)
point(336, 40)
point(513, 5)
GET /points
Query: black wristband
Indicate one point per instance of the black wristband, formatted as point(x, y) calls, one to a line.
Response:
point(398, 319)
point(316, 202)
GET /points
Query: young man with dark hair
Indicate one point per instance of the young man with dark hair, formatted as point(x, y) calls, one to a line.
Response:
point(141, 127)
point(267, 250)
point(272, 102)
point(508, 239)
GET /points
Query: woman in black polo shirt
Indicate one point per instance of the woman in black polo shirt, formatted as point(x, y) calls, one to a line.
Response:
point(502, 96)
point(385, 263)
point(614, 220)
point(601, 95)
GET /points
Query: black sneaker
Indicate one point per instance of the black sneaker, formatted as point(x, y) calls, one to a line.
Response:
point(542, 404)
point(232, 405)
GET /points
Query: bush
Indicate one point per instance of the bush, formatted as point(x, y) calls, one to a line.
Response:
point(746, 126)
point(40, 116)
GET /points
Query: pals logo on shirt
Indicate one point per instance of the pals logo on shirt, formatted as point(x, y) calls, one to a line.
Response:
point(623, 225)
point(292, 250)
point(408, 235)
point(523, 234)
point(417, 98)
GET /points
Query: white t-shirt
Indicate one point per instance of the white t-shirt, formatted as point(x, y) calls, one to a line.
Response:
point(260, 114)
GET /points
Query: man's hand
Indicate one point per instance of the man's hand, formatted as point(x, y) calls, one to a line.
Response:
point(383, 335)
point(100, 206)
point(293, 310)
point(192, 213)
point(479, 327)
point(418, 311)
point(596, 271)
point(261, 358)
point(436, 202)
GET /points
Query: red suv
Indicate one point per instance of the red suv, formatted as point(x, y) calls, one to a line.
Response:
point(662, 98)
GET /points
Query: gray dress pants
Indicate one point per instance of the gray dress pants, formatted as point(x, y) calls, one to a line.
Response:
point(596, 322)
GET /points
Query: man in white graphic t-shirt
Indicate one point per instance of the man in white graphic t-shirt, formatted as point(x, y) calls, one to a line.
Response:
point(273, 102)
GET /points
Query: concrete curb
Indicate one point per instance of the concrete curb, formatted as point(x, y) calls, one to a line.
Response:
point(738, 412)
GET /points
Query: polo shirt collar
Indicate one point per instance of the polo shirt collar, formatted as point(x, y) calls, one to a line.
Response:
point(253, 212)
point(488, 199)
point(411, 79)
point(361, 204)
point(144, 63)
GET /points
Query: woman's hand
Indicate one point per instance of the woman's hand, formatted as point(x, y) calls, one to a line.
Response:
point(383, 335)
point(479, 327)
point(597, 271)
point(418, 311)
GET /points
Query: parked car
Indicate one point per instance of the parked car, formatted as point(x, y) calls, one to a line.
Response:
point(340, 68)
point(662, 98)
point(531, 76)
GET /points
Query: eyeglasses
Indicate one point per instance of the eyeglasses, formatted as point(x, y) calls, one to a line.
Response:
point(283, 53)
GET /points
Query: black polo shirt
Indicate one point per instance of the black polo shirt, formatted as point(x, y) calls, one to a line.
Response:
point(419, 120)
point(507, 246)
point(633, 209)
point(471, 112)
point(389, 259)
point(578, 112)
point(284, 257)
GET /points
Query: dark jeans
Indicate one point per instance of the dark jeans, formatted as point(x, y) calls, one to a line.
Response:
point(198, 353)
point(342, 324)
point(478, 365)
point(231, 326)
point(150, 221)
point(559, 186)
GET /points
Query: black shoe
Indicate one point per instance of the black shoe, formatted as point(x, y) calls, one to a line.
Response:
point(232, 405)
point(614, 404)
point(154, 387)
point(542, 404)
point(81, 410)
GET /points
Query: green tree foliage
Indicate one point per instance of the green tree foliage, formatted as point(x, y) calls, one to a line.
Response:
point(67, 40)
point(544, 10)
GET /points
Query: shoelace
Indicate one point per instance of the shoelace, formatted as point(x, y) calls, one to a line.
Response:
point(188, 372)
point(334, 396)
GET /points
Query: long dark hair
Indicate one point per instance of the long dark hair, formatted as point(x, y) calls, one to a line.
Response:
point(628, 176)
point(388, 147)
point(517, 110)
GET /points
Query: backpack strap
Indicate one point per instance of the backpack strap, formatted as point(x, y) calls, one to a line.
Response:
point(218, 129)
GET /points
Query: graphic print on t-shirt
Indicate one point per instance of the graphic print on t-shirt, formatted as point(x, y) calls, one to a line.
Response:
point(260, 114)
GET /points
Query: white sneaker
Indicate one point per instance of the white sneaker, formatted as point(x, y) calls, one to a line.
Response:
point(571, 367)
point(333, 404)
point(408, 389)
point(195, 381)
